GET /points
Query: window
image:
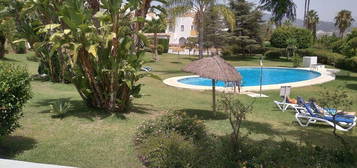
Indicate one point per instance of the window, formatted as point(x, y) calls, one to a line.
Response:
point(182, 28)
point(171, 28)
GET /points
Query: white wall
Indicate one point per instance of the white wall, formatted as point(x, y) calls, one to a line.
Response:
point(187, 22)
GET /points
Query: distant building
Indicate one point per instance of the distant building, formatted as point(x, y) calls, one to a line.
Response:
point(321, 33)
point(182, 29)
point(178, 34)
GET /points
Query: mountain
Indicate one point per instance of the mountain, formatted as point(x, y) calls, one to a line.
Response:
point(322, 25)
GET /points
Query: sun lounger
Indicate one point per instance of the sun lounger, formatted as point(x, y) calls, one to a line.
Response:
point(343, 122)
point(284, 105)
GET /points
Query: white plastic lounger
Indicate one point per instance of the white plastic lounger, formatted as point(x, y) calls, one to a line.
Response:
point(342, 126)
point(343, 122)
point(283, 106)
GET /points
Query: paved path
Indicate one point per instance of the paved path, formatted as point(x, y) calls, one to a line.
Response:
point(5, 163)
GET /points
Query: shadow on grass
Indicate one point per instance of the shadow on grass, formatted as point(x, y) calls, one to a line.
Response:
point(239, 58)
point(205, 114)
point(81, 110)
point(170, 72)
point(316, 134)
point(352, 86)
point(175, 62)
point(10, 146)
point(78, 109)
point(189, 58)
point(8, 60)
point(346, 78)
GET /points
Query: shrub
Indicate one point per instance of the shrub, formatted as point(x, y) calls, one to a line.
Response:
point(176, 121)
point(281, 35)
point(275, 53)
point(296, 60)
point(348, 63)
point(20, 48)
point(160, 49)
point(165, 45)
point(60, 108)
point(324, 56)
point(167, 150)
point(15, 92)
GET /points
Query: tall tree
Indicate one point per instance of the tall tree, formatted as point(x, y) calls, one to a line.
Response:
point(156, 24)
point(200, 7)
point(280, 9)
point(214, 29)
point(246, 35)
point(343, 20)
point(312, 21)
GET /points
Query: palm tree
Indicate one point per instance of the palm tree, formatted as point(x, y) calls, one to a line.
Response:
point(155, 25)
point(343, 20)
point(200, 8)
point(280, 9)
point(312, 20)
point(306, 10)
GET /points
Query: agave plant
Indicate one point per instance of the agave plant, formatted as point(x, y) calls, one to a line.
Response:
point(60, 108)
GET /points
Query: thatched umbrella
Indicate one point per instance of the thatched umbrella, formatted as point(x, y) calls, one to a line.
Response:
point(214, 68)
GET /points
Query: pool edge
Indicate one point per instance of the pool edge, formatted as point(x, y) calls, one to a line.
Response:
point(326, 76)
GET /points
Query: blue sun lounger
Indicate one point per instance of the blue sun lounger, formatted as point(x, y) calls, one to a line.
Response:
point(343, 122)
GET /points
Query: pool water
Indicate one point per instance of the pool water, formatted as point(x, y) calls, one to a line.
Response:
point(251, 77)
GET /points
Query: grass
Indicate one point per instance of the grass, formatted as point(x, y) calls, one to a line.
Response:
point(93, 139)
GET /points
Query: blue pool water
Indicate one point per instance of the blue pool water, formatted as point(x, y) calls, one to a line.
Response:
point(251, 77)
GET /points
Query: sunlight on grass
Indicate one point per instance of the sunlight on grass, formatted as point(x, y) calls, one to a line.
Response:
point(90, 138)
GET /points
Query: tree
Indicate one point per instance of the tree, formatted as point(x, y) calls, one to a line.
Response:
point(200, 7)
point(191, 44)
point(306, 10)
point(104, 63)
point(246, 35)
point(343, 20)
point(156, 25)
point(311, 22)
point(280, 9)
point(214, 29)
point(7, 25)
point(353, 44)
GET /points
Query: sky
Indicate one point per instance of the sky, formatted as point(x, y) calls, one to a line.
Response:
point(327, 9)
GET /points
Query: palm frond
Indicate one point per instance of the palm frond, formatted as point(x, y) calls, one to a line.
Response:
point(227, 14)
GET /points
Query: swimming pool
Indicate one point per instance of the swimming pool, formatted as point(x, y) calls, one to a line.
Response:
point(251, 77)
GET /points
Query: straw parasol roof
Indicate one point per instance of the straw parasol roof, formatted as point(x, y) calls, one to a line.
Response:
point(214, 68)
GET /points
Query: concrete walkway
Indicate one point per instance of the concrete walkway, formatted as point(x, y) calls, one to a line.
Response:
point(5, 163)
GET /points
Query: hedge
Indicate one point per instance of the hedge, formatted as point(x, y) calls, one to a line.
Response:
point(275, 53)
point(282, 34)
point(323, 56)
point(15, 92)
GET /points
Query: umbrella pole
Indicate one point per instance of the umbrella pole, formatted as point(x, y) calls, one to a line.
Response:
point(214, 95)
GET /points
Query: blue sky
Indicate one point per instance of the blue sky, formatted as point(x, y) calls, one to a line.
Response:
point(327, 9)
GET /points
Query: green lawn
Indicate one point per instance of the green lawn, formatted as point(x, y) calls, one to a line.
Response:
point(89, 138)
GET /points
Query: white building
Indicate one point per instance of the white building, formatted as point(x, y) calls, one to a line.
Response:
point(182, 29)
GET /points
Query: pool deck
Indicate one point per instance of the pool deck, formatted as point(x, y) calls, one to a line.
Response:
point(326, 76)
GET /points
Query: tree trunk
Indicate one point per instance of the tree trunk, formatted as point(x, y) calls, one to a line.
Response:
point(88, 70)
point(201, 35)
point(314, 33)
point(305, 13)
point(2, 46)
point(155, 46)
